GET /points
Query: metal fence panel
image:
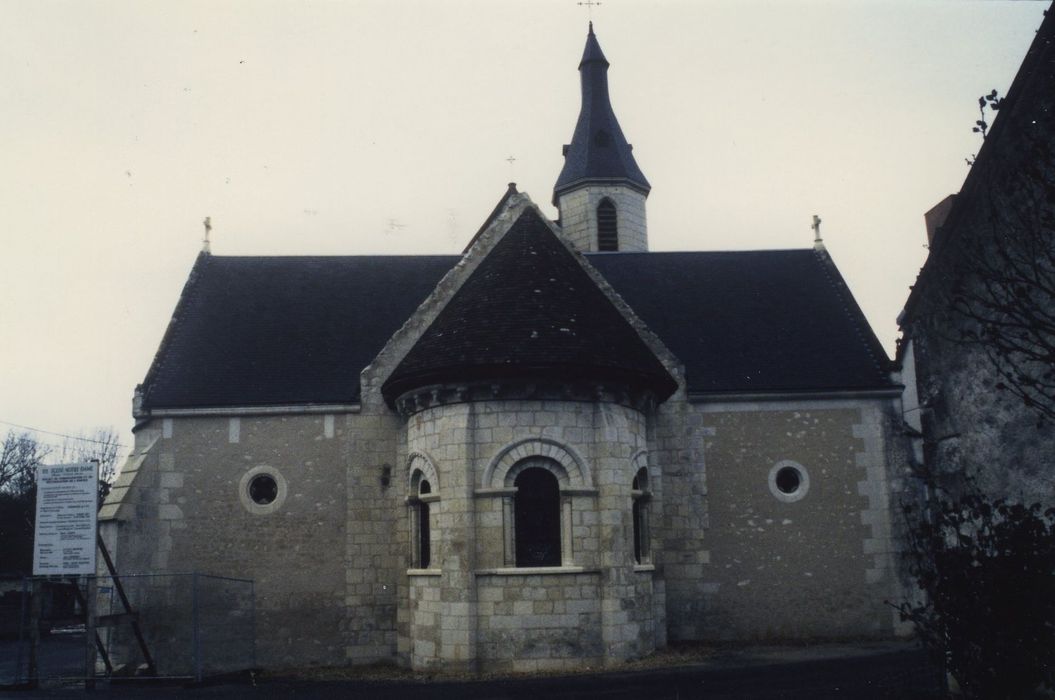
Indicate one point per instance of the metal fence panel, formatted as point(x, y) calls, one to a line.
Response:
point(193, 626)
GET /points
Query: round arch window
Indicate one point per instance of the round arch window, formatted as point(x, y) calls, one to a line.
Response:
point(789, 481)
point(262, 490)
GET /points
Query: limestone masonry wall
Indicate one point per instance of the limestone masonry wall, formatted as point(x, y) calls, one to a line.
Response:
point(819, 562)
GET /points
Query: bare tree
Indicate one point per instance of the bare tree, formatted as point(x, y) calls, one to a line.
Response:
point(20, 456)
point(101, 446)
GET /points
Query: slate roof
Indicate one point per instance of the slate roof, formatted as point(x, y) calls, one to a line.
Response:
point(752, 321)
point(251, 331)
point(530, 310)
point(598, 151)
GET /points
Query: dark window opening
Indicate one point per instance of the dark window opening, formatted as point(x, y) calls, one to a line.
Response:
point(607, 229)
point(536, 513)
point(263, 489)
point(788, 480)
point(637, 531)
point(639, 513)
point(424, 535)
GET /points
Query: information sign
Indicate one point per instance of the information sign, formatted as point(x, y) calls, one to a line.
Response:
point(67, 502)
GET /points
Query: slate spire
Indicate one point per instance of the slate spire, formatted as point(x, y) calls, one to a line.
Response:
point(598, 152)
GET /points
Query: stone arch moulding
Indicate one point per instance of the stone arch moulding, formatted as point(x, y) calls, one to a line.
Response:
point(640, 461)
point(421, 462)
point(497, 471)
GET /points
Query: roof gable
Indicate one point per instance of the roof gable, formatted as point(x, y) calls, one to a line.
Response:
point(530, 309)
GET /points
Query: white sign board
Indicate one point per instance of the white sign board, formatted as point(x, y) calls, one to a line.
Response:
point(67, 501)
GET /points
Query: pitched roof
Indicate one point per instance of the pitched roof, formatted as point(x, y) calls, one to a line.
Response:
point(530, 309)
point(598, 151)
point(752, 321)
point(252, 331)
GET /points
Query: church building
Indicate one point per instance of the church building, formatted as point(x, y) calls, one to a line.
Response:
point(556, 450)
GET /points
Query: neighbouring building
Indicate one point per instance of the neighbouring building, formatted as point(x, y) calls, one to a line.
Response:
point(979, 325)
point(556, 450)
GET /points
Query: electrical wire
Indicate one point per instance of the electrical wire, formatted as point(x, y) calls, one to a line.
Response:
point(63, 435)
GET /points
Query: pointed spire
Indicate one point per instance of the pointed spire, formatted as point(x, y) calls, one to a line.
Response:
point(598, 151)
point(592, 52)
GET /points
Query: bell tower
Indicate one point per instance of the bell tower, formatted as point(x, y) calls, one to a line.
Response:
point(601, 191)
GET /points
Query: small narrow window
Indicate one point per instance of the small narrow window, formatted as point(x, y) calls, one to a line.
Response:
point(639, 513)
point(536, 516)
point(424, 535)
point(607, 229)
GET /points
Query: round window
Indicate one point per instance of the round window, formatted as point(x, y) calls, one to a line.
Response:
point(788, 481)
point(263, 489)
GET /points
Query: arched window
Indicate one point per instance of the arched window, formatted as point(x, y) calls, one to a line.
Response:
point(640, 494)
point(607, 229)
point(536, 517)
point(424, 548)
point(421, 496)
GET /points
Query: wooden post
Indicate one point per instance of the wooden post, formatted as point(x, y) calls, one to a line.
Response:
point(151, 667)
point(91, 594)
point(36, 610)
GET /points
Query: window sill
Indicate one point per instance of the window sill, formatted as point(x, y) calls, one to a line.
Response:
point(536, 571)
point(644, 567)
point(424, 572)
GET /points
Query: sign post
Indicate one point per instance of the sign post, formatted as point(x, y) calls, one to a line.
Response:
point(67, 504)
point(64, 543)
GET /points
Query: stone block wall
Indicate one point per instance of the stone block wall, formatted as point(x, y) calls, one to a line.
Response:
point(475, 608)
point(539, 622)
point(192, 512)
point(816, 564)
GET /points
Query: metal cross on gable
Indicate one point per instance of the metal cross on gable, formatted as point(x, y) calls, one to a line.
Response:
point(589, 6)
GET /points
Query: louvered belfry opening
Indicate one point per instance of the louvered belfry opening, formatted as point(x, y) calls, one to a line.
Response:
point(607, 230)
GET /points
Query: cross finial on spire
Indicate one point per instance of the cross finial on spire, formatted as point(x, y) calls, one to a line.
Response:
point(589, 9)
point(205, 246)
point(817, 242)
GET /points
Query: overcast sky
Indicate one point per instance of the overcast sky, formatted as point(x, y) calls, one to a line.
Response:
point(312, 127)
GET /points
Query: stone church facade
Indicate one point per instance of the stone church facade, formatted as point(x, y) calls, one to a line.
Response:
point(554, 451)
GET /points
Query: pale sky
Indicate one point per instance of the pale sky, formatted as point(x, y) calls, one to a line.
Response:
point(333, 128)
